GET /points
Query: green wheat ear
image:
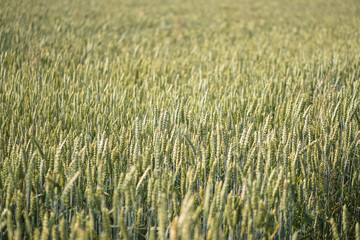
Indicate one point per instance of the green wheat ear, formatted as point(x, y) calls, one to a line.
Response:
point(357, 231)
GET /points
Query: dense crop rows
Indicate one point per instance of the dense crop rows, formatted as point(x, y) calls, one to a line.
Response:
point(180, 119)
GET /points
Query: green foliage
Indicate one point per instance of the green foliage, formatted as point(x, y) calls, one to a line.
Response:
point(179, 119)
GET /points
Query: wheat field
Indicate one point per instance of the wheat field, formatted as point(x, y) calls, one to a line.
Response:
point(231, 119)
